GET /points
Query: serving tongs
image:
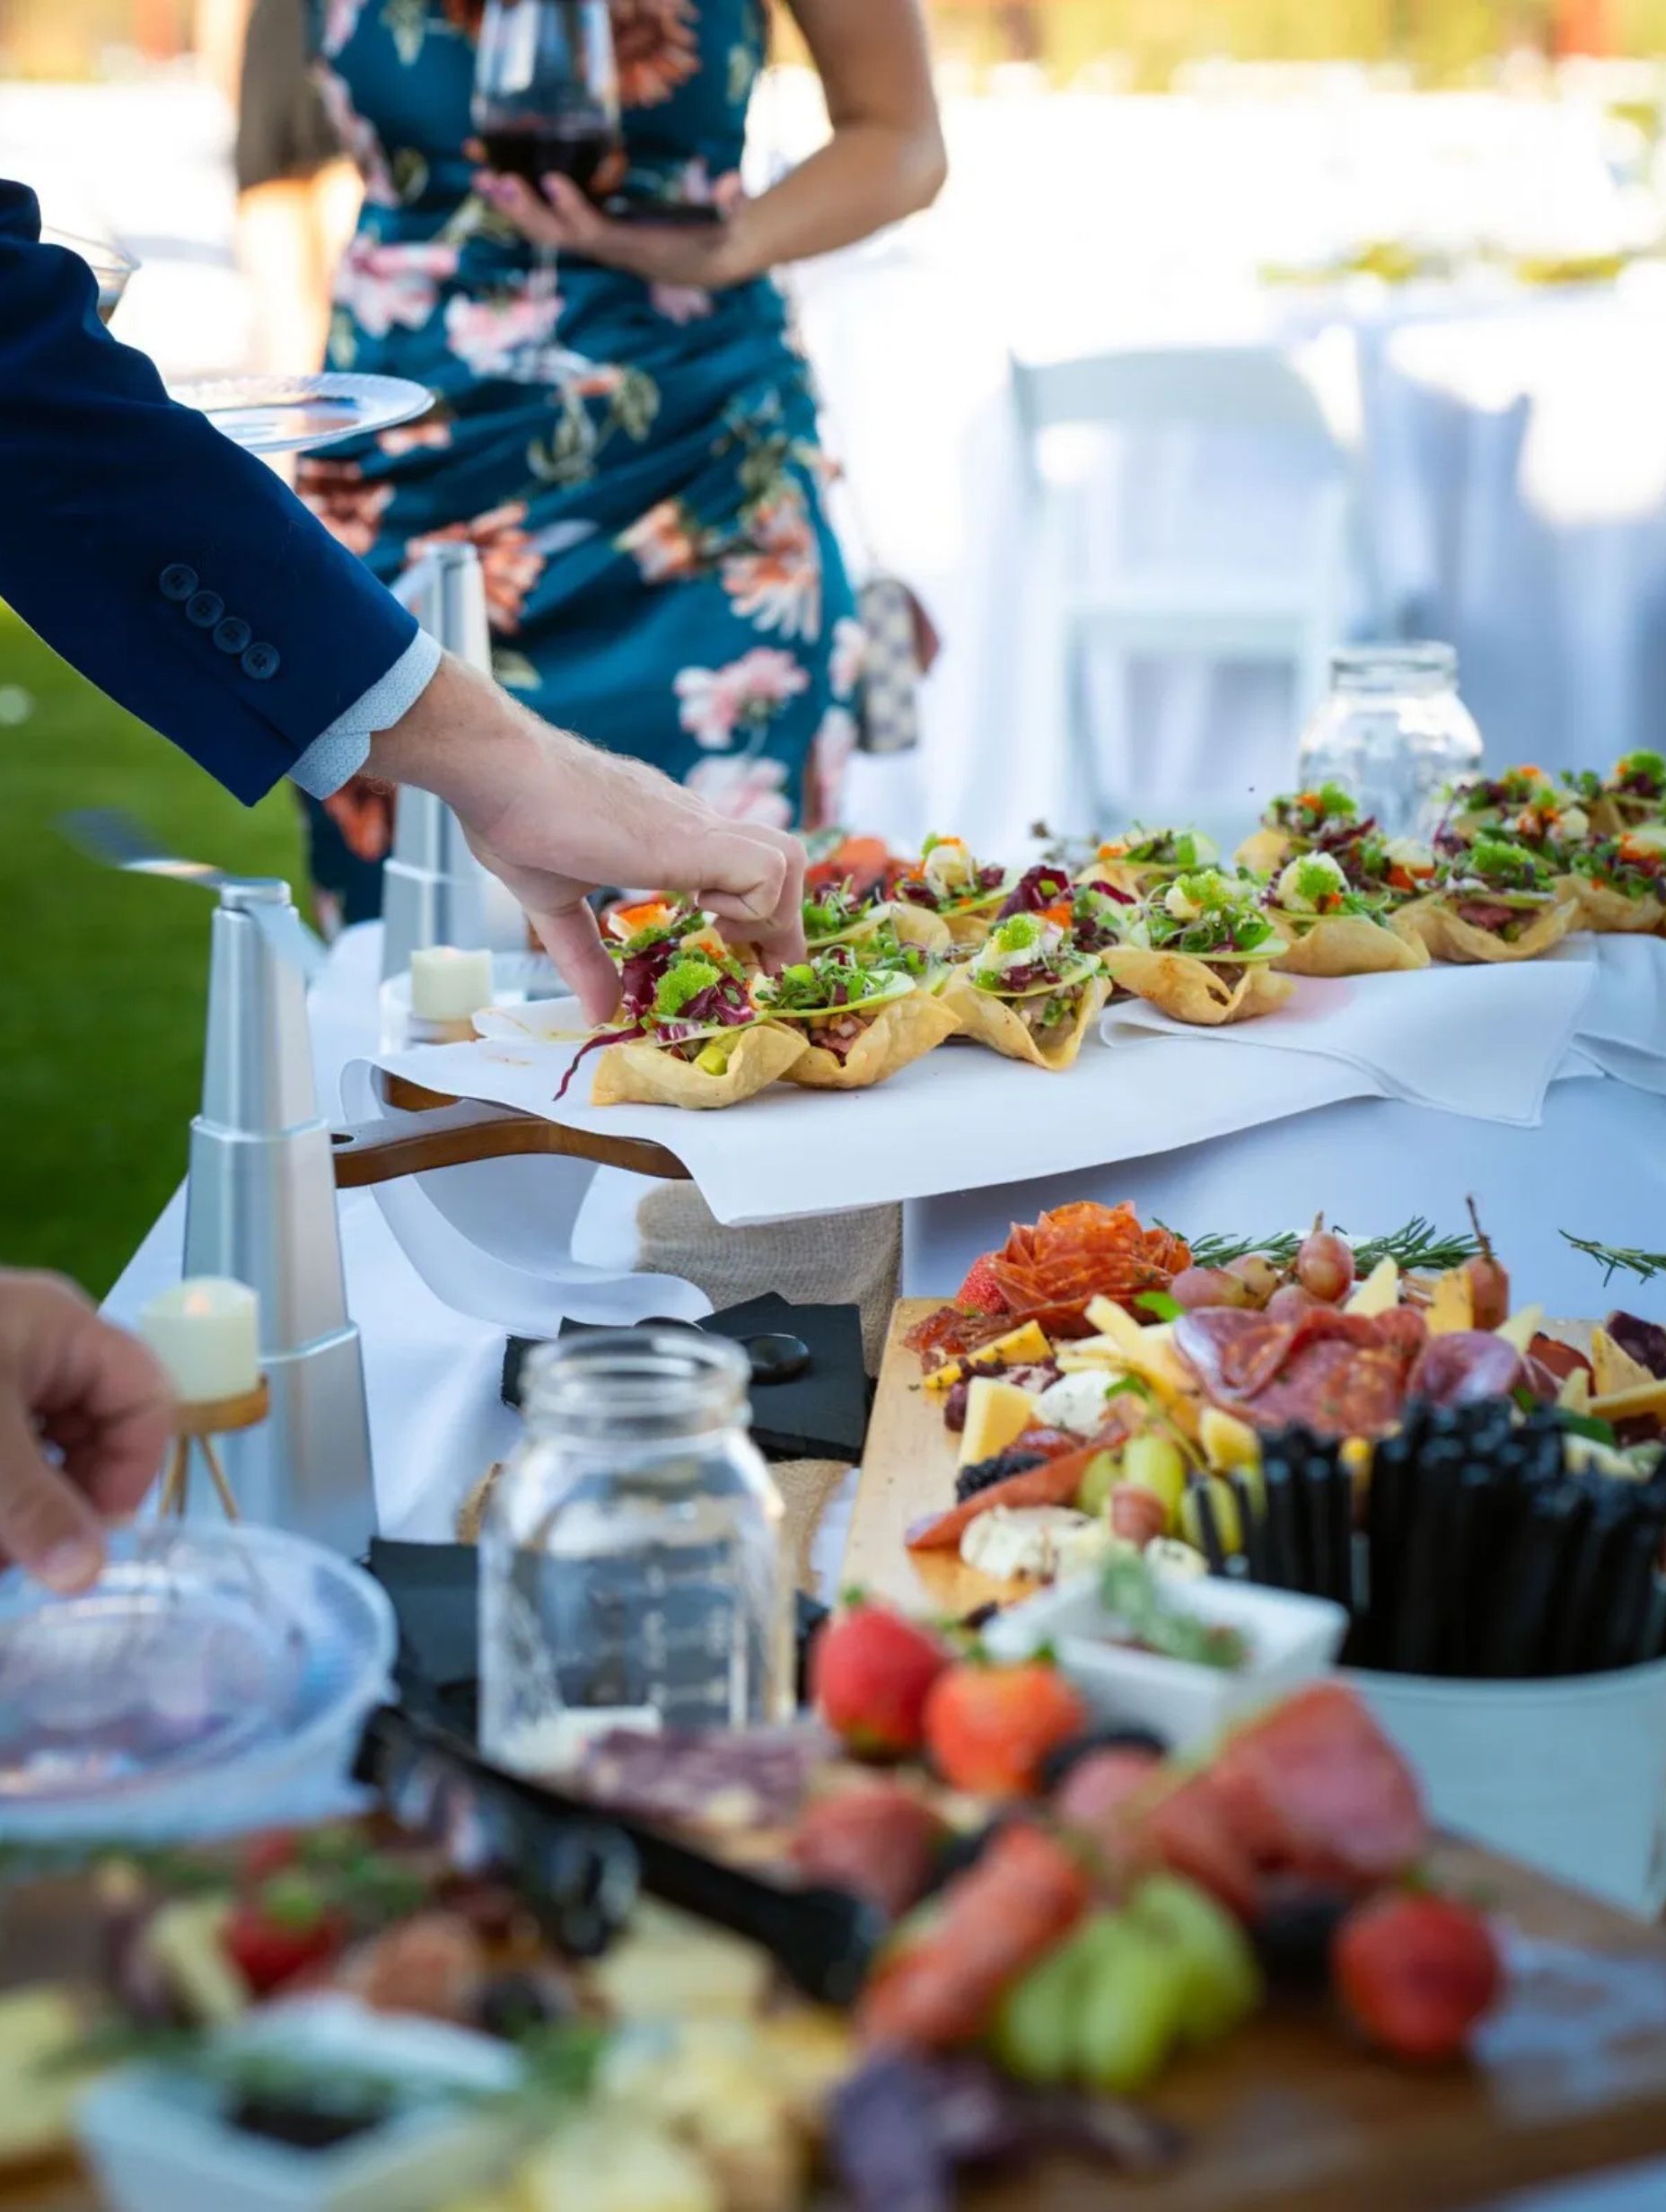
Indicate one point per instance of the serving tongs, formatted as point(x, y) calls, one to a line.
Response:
point(823, 1939)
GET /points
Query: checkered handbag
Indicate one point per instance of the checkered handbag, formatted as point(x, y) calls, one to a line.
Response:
point(888, 708)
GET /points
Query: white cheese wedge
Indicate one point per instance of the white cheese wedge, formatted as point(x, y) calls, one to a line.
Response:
point(1075, 1402)
point(1380, 1292)
point(1009, 1541)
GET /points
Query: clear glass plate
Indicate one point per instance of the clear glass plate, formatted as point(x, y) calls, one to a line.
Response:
point(200, 1653)
point(303, 414)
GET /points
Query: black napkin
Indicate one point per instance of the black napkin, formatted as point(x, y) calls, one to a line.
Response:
point(434, 1592)
point(821, 1414)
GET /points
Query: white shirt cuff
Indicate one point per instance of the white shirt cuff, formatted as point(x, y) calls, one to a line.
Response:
point(341, 750)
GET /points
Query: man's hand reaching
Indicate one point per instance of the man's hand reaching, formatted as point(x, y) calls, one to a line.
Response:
point(555, 818)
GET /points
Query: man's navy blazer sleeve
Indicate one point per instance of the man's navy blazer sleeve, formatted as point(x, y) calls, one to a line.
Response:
point(176, 571)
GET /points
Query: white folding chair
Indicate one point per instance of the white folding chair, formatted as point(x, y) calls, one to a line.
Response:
point(1201, 605)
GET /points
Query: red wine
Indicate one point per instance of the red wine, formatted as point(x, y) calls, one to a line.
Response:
point(536, 149)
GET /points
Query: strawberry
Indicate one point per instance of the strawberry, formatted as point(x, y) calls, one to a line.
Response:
point(980, 1291)
point(281, 1929)
point(870, 1674)
point(988, 1729)
point(1416, 1973)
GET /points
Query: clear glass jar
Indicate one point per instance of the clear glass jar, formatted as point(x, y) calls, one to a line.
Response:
point(1393, 732)
point(631, 1563)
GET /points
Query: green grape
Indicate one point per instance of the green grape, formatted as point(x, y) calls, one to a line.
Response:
point(1034, 2034)
point(1094, 1491)
point(1222, 1980)
point(1135, 1987)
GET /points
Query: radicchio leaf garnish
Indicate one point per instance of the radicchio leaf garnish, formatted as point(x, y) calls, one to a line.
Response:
point(639, 976)
point(1036, 888)
point(595, 1044)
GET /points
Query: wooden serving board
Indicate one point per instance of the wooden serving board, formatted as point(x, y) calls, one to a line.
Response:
point(907, 1473)
point(1290, 2115)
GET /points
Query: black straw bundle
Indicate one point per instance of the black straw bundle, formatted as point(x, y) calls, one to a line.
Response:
point(1479, 1550)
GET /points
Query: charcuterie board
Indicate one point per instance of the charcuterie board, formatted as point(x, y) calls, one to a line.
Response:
point(1291, 2116)
point(908, 1471)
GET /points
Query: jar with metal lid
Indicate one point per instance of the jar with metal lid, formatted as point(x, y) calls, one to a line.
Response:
point(1393, 733)
point(631, 1566)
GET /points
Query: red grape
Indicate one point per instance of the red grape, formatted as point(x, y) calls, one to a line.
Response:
point(1199, 1287)
point(1489, 1291)
point(1290, 1303)
point(1258, 1274)
point(1324, 1265)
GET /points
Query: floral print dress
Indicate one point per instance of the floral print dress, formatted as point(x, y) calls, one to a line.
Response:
point(638, 464)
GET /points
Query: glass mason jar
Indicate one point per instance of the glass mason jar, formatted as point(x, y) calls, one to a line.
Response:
point(1393, 732)
point(631, 1567)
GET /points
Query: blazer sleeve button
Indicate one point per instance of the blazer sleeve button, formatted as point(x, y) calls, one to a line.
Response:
point(177, 582)
point(261, 661)
point(204, 609)
point(232, 634)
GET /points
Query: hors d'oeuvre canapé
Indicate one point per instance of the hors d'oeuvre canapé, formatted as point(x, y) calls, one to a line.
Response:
point(1138, 860)
point(1620, 883)
point(1633, 792)
point(1299, 821)
point(948, 882)
point(1523, 804)
point(1494, 900)
point(840, 914)
point(865, 1011)
point(1390, 872)
point(1030, 991)
point(696, 1038)
point(1333, 929)
point(1203, 951)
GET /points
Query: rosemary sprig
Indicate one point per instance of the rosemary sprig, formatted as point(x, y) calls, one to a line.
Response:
point(1416, 1248)
point(1617, 1258)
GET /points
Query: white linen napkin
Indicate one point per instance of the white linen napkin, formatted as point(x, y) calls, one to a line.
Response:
point(1622, 1025)
point(1483, 1041)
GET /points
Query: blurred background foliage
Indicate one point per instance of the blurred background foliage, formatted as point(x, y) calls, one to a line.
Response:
point(1143, 42)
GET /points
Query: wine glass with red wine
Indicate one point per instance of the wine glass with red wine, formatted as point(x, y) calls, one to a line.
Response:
point(545, 90)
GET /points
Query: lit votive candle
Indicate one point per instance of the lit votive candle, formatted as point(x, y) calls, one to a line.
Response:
point(206, 1333)
point(449, 985)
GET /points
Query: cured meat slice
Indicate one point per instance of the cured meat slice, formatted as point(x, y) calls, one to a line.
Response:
point(1053, 1268)
point(1341, 1374)
point(1465, 1364)
point(1316, 1788)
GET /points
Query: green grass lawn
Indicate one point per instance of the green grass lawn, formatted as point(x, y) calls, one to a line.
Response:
point(102, 977)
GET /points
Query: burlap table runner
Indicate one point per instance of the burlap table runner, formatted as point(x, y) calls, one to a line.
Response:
point(853, 1259)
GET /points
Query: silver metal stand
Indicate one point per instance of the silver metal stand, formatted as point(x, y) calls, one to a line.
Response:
point(260, 1206)
point(434, 892)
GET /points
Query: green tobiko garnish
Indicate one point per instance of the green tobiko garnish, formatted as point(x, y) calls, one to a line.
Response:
point(1017, 934)
point(684, 980)
point(1496, 860)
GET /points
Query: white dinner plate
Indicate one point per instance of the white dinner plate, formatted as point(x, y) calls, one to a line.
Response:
point(303, 414)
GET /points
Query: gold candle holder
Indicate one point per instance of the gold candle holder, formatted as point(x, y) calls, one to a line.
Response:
point(199, 1425)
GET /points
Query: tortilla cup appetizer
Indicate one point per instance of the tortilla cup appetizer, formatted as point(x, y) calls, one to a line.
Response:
point(951, 884)
point(1333, 929)
point(1633, 793)
point(650, 1075)
point(1496, 901)
point(1138, 861)
point(1522, 805)
point(1202, 951)
point(1299, 821)
point(860, 1020)
point(837, 917)
point(691, 1037)
point(1620, 883)
point(1031, 993)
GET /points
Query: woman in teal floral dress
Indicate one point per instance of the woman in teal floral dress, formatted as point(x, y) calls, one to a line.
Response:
point(623, 426)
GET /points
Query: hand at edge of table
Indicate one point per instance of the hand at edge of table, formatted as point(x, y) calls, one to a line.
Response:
point(555, 818)
point(85, 1416)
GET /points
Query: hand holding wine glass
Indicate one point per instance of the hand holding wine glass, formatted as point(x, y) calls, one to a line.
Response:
point(557, 215)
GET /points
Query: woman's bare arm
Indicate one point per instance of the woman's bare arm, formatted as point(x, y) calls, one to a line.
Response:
point(884, 160)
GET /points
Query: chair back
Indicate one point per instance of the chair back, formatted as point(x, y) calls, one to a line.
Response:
point(1224, 387)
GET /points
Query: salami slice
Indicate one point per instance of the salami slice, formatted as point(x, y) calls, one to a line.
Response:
point(1341, 1374)
point(1465, 1364)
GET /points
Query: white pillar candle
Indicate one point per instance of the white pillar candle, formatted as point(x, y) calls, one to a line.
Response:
point(206, 1333)
point(449, 985)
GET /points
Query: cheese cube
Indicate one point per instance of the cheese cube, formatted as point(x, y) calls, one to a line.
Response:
point(1024, 1346)
point(997, 1413)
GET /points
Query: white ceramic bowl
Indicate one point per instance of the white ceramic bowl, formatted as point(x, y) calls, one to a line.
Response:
point(1291, 1639)
point(155, 2138)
